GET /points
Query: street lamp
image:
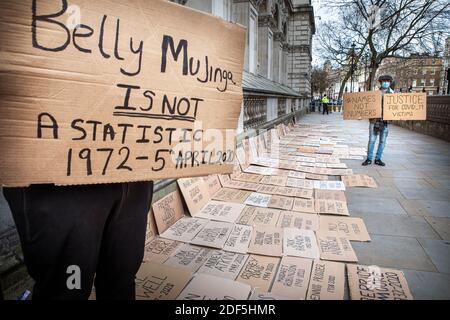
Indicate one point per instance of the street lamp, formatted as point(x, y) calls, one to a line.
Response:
point(352, 67)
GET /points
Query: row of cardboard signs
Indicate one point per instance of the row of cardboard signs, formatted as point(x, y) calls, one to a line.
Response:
point(267, 231)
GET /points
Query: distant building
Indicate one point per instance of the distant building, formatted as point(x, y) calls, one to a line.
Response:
point(278, 54)
point(445, 67)
point(416, 73)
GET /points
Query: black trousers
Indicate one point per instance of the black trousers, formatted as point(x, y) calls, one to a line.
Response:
point(98, 228)
point(325, 108)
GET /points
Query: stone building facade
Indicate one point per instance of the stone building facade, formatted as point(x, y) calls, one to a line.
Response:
point(278, 55)
point(445, 68)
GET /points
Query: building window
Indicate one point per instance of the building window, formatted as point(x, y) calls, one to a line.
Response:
point(252, 41)
point(222, 8)
point(269, 54)
point(422, 82)
point(414, 83)
point(433, 71)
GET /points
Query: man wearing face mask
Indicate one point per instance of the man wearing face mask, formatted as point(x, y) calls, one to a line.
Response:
point(379, 127)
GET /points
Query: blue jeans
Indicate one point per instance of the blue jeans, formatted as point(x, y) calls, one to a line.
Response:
point(373, 139)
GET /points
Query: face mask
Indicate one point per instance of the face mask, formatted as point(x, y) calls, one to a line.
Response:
point(385, 85)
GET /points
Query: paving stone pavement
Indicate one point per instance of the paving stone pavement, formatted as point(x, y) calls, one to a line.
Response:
point(407, 216)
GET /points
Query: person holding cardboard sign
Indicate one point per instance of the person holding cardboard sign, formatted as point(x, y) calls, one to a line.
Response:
point(378, 126)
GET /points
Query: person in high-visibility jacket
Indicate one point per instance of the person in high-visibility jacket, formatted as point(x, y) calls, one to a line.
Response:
point(325, 103)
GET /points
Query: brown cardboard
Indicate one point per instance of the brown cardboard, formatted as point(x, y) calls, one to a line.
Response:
point(152, 231)
point(259, 271)
point(274, 180)
point(184, 229)
point(300, 183)
point(195, 193)
point(267, 189)
point(267, 241)
point(160, 249)
point(333, 207)
point(327, 281)
point(259, 216)
point(248, 177)
point(160, 282)
point(63, 77)
point(223, 264)
point(281, 202)
point(405, 106)
point(304, 205)
point(168, 210)
point(188, 257)
point(221, 211)
point(234, 184)
point(335, 247)
point(353, 228)
point(291, 219)
point(292, 278)
point(213, 234)
point(231, 195)
point(213, 183)
point(239, 239)
point(359, 180)
point(304, 193)
point(330, 195)
point(362, 105)
point(300, 243)
point(375, 283)
point(258, 199)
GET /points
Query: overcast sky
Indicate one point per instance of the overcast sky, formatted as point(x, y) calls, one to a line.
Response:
point(320, 14)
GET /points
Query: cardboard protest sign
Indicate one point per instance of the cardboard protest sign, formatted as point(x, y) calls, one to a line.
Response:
point(223, 264)
point(329, 185)
point(127, 93)
point(195, 193)
point(258, 199)
point(292, 278)
point(275, 180)
point(304, 205)
point(304, 193)
point(335, 247)
point(189, 257)
point(243, 157)
point(259, 271)
point(286, 191)
point(300, 243)
point(213, 234)
point(152, 230)
point(352, 228)
point(259, 170)
point(200, 288)
point(267, 241)
point(375, 283)
point(327, 281)
point(266, 188)
point(291, 219)
point(281, 202)
point(221, 211)
point(184, 229)
point(212, 183)
point(300, 183)
point(160, 249)
point(259, 216)
point(242, 185)
point(168, 210)
point(359, 180)
point(239, 239)
point(260, 295)
point(334, 207)
point(231, 195)
point(362, 105)
point(159, 282)
point(248, 177)
point(296, 174)
point(405, 106)
point(330, 195)
point(313, 176)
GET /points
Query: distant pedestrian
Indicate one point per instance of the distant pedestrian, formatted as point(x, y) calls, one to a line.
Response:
point(378, 126)
point(325, 103)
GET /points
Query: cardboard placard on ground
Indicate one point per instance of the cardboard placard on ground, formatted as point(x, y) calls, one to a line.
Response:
point(213, 234)
point(286, 191)
point(327, 281)
point(291, 219)
point(259, 170)
point(274, 180)
point(353, 228)
point(168, 210)
point(259, 271)
point(292, 278)
point(299, 183)
point(231, 195)
point(281, 202)
point(313, 176)
point(304, 205)
point(239, 239)
point(335, 247)
point(330, 195)
point(92, 114)
point(359, 180)
point(248, 177)
point(152, 231)
point(362, 105)
point(257, 199)
point(300, 243)
point(405, 106)
point(267, 189)
point(329, 185)
point(260, 295)
point(184, 229)
point(259, 216)
point(242, 185)
point(160, 249)
point(155, 281)
point(375, 283)
point(334, 207)
point(224, 264)
point(304, 193)
point(221, 211)
point(213, 184)
point(195, 193)
point(188, 256)
point(209, 287)
point(267, 241)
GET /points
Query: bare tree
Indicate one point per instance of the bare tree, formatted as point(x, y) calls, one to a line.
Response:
point(319, 80)
point(382, 29)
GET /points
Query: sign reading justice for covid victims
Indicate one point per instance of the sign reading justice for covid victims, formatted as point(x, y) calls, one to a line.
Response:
point(114, 91)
